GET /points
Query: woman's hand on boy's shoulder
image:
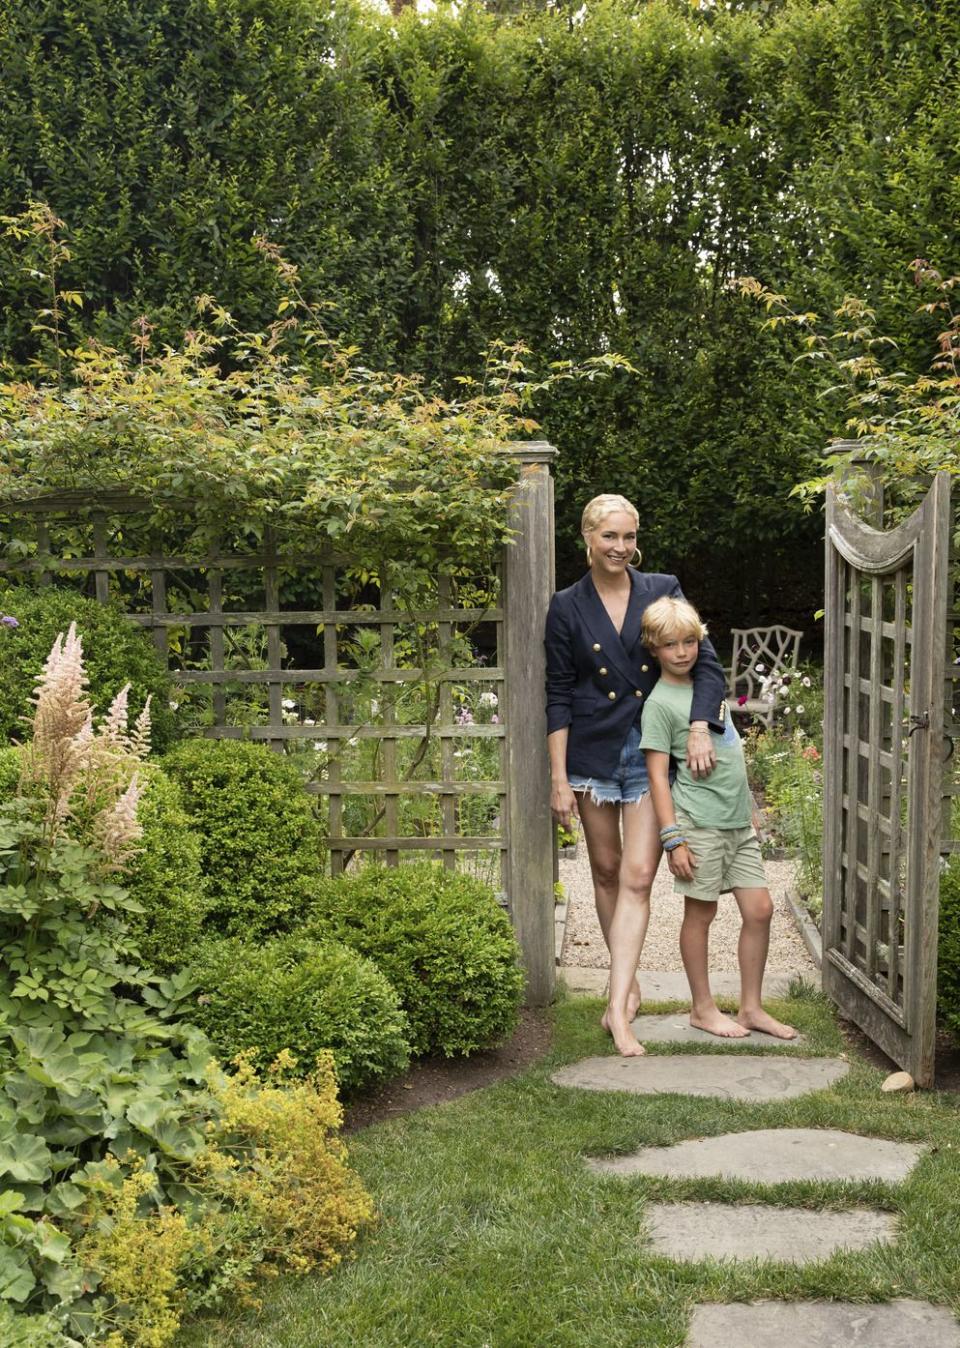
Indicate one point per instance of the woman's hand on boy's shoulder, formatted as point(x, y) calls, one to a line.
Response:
point(701, 755)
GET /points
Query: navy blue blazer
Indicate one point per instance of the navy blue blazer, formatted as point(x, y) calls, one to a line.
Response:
point(597, 678)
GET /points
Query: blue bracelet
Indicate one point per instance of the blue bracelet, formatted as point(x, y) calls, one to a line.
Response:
point(674, 844)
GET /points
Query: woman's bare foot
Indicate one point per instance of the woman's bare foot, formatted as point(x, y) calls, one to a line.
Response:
point(633, 1007)
point(715, 1022)
point(764, 1023)
point(627, 1043)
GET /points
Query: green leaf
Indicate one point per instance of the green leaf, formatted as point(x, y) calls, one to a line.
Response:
point(23, 1156)
point(16, 1280)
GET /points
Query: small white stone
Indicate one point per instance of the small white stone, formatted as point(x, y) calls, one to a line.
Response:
point(899, 1081)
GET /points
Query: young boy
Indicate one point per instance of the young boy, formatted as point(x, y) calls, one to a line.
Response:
point(706, 827)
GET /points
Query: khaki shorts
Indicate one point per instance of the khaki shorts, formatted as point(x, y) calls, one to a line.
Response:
point(727, 858)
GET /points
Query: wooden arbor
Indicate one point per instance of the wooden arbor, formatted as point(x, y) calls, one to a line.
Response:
point(887, 792)
point(401, 763)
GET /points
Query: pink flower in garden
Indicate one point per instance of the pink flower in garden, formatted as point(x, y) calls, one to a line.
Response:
point(741, 699)
point(463, 716)
point(812, 753)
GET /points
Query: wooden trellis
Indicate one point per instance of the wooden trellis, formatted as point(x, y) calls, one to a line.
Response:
point(409, 723)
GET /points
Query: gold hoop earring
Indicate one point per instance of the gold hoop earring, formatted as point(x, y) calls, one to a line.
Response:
point(589, 555)
point(639, 558)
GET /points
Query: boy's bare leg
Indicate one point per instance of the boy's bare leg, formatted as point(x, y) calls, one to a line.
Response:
point(756, 910)
point(694, 948)
point(641, 856)
point(601, 832)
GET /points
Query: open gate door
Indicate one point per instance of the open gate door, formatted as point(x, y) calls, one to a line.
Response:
point(885, 662)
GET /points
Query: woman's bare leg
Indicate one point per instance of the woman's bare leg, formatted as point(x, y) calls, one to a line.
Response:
point(601, 832)
point(638, 866)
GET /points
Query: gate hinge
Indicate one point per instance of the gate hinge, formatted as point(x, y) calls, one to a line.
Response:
point(921, 722)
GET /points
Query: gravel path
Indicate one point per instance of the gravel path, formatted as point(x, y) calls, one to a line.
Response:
point(583, 945)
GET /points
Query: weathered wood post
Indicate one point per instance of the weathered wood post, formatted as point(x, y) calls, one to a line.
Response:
point(528, 576)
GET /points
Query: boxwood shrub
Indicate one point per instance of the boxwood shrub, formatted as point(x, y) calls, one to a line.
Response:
point(115, 651)
point(303, 995)
point(166, 877)
point(442, 941)
point(261, 845)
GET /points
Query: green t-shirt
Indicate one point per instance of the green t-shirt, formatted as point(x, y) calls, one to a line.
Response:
point(721, 800)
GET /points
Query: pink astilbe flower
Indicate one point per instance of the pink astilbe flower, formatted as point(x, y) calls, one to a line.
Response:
point(116, 828)
point(113, 728)
point(85, 775)
point(140, 735)
point(55, 759)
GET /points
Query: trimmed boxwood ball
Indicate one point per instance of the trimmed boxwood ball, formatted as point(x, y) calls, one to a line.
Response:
point(443, 942)
point(165, 876)
point(261, 844)
point(295, 993)
point(115, 651)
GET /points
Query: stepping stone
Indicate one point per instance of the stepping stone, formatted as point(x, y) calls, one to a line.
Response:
point(668, 987)
point(741, 1076)
point(774, 1156)
point(676, 1029)
point(823, 1324)
point(754, 1231)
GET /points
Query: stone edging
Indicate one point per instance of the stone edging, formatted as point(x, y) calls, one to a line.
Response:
point(806, 927)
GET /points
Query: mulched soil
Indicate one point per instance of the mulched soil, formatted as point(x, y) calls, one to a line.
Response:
point(432, 1081)
point(947, 1055)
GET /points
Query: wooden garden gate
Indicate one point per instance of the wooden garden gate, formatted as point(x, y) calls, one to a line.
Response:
point(887, 613)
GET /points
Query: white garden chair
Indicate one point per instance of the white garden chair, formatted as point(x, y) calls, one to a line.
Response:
point(761, 656)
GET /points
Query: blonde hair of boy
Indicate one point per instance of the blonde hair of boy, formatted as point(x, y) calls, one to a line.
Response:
point(669, 618)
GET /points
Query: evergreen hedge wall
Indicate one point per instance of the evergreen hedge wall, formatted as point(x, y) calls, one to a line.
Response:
point(582, 183)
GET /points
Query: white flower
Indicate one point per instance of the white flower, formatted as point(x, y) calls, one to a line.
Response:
point(353, 741)
point(308, 721)
point(174, 706)
point(489, 699)
point(320, 746)
point(787, 711)
point(760, 669)
point(806, 680)
point(799, 710)
point(288, 704)
point(374, 707)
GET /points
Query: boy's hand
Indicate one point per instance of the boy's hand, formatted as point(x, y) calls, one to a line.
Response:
point(563, 803)
point(682, 862)
point(701, 755)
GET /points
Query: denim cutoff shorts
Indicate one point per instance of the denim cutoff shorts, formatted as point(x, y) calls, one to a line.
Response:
point(631, 782)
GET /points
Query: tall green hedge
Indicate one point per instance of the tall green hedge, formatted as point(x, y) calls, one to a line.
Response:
point(584, 183)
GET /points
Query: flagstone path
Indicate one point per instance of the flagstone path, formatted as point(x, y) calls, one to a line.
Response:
point(734, 1069)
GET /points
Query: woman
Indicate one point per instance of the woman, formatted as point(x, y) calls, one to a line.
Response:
point(598, 674)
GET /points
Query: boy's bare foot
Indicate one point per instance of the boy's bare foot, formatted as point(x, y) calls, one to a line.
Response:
point(715, 1022)
point(764, 1023)
point(627, 1043)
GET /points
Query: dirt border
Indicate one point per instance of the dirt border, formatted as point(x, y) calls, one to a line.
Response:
point(433, 1081)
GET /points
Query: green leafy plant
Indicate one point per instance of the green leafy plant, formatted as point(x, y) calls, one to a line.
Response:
point(261, 846)
point(442, 941)
point(303, 995)
point(136, 1179)
point(119, 653)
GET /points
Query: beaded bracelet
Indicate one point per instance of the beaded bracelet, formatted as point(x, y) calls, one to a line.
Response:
point(674, 844)
point(670, 828)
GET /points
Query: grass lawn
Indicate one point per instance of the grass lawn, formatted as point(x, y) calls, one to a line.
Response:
point(493, 1233)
